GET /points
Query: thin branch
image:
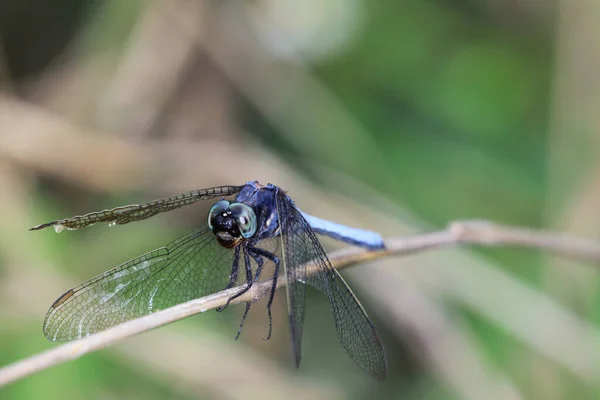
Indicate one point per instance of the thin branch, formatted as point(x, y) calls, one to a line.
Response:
point(460, 232)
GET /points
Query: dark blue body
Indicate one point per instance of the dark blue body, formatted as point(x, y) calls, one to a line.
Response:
point(264, 201)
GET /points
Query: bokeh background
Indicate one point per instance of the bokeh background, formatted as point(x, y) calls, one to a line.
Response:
point(392, 115)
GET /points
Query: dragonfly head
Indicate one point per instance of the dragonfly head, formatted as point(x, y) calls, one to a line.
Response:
point(231, 222)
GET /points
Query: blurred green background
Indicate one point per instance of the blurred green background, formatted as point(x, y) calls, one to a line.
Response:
point(396, 116)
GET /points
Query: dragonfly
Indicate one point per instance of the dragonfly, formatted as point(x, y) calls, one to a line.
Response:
point(238, 240)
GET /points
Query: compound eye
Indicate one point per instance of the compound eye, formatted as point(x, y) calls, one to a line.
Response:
point(245, 217)
point(217, 208)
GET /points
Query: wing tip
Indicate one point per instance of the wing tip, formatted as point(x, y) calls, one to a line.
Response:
point(64, 297)
point(41, 226)
point(58, 227)
point(379, 374)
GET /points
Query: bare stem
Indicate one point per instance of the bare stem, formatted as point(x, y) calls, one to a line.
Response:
point(460, 232)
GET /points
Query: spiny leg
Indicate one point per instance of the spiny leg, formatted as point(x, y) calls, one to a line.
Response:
point(275, 260)
point(243, 320)
point(259, 262)
point(249, 285)
point(249, 280)
point(233, 276)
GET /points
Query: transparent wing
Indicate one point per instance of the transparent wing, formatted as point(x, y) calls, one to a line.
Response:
point(137, 212)
point(296, 250)
point(192, 266)
point(355, 330)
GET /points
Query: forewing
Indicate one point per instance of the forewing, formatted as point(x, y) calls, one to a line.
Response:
point(354, 328)
point(137, 212)
point(190, 267)
point(296, 250)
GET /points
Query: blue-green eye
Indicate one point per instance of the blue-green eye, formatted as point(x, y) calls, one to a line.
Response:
point(219, 207)
point(245, 218)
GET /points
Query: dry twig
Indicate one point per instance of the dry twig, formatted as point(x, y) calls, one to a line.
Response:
point(461, 232)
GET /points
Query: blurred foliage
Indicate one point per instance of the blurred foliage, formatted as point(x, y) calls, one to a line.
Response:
point(455, 97)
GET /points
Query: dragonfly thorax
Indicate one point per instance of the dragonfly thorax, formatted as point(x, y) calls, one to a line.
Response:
point(231, 222)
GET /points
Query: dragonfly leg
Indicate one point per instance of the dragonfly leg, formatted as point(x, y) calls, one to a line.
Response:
point(259, 262)
point(248, 286)
point(233, 276)
point(243, 320)
point(275, 260)
point(249, 281)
